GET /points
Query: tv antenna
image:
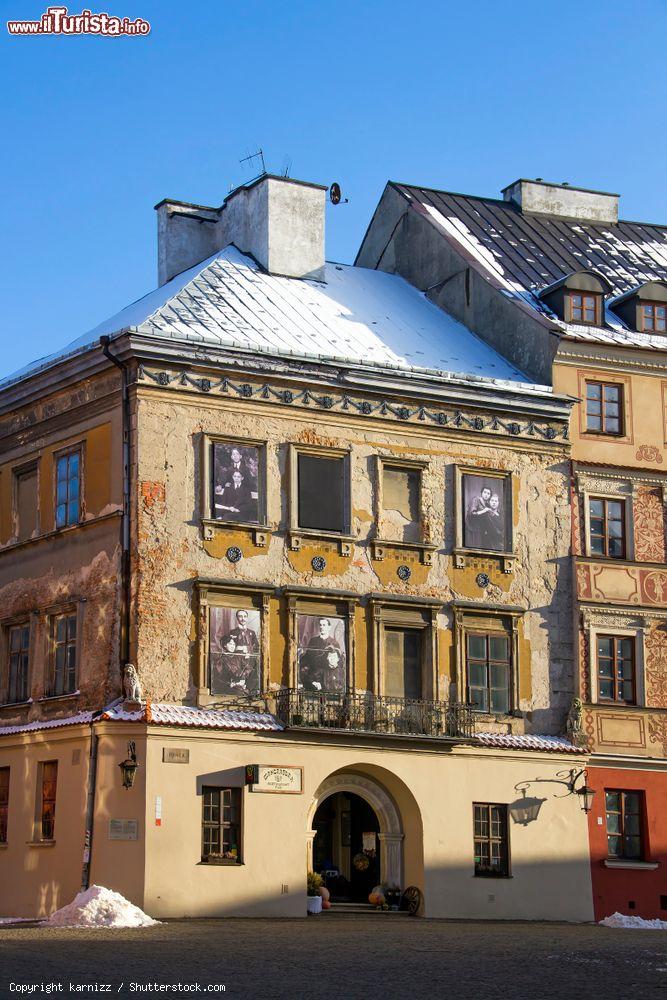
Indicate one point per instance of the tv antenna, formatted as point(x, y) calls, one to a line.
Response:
point(335, 196)
point(259, 155)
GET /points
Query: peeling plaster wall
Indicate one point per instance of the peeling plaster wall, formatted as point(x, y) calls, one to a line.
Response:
point(172, 553)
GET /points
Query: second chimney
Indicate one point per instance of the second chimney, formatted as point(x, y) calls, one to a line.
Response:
point(561, 199)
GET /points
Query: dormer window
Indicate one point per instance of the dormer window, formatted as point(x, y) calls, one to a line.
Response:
point(653, 317)
point(644, 308)
point(584, 308)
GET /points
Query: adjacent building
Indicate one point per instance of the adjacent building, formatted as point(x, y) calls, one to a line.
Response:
point(549, 276)
point(329, 527)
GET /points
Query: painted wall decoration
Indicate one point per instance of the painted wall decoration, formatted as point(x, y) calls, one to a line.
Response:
point(485, 506)
point(649, 518)
point(235, 483)
point(235, 651)
point(321, 654)
point(655, 645)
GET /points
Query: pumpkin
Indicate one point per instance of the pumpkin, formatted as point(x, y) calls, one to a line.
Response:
point(326, 905)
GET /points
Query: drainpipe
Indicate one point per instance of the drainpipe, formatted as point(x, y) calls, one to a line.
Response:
point(90, 805)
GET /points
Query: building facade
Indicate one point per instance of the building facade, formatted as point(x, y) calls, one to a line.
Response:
point(338, 559)
point(552, 278)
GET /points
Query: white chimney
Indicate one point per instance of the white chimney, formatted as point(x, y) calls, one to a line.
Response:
point(279, 221)
point(561, 199)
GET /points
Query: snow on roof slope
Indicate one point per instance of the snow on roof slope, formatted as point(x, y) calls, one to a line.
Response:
point(509, 741)
point(355, 315)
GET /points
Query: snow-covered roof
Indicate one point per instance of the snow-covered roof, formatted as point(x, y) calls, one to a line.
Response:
point(356, 315)
point(508, 741)
point(81, 718)
point(524, 254)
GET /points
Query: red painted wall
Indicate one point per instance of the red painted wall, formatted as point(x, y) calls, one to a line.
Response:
point(615, 888)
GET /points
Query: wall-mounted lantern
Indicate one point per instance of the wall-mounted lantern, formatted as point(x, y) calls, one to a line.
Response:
point(585, 792)
point(129, 766)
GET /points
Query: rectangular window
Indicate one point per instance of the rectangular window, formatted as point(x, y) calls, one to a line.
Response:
point(63, 653)
point(488, 663)
point(616, 668)
point(607, 527)
point(68, 489)
point(625, 824)
point(604, 408)
point(321, 492)
point(26, 502)
point(403, 663)
point(4, 803)
point(221, 825)
point(19, 662)
point(490, 839)
point(47, 815)
point(584, 308)
point(401, 520)
point(237, 482)
point(486, 505)
point(654, 318)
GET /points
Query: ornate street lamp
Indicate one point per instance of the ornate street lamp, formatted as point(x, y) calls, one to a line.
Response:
point(585, 792)
point(129, 766)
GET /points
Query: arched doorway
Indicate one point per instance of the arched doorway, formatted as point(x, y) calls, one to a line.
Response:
point(340, 838)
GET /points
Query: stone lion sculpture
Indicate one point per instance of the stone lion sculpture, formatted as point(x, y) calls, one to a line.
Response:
point(573, 725)
point(131, 683)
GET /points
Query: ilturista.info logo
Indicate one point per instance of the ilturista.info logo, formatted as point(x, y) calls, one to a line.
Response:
point(58, 21)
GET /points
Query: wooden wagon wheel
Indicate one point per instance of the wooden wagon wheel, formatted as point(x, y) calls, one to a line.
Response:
point(412, 900)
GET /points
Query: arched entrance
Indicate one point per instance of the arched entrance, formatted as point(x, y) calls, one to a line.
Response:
point(345, 808)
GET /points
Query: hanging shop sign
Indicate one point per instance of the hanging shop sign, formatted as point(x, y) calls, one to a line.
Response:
point(271, 778)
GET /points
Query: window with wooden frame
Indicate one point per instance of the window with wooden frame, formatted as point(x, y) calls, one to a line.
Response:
point(484, 515)
point(489, 672)
point(63, 639)
point(604, 408)
point(319, 493)
point(491, 839)
point(653, 317)
point(583, 308)
point(221, 826)
point(398, 508)
point(616, 668)
point(26, 501)
point(4, 803)
point(607, 528)
point(405, 649)
point(234, 485)
point(68, 488)
point(625, 825)
point(46, 800)
point(18, 662)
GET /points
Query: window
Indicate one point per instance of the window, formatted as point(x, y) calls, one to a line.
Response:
point(25, 486)
point(584, 308)
point(47, 801)
point(63, 653)
point(491, 841)
point(237, 482)
point(401, 488)
point(19, 661)
point(607, 528)
point(321, 492)
point(68, 489)
point(625, 826)
point(604, 408)
point(403, 663)
point(221, 826)
point(4, 803)
point(653, 317)
point(488, 665)
point(616, 668)
point(486, 508)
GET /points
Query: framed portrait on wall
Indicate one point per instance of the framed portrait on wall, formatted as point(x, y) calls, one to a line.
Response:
point(235, 651)
point(486, 511)
point(321, 654)
point(235, 494)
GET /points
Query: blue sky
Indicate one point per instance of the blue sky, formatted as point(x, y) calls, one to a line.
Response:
point(466, 97)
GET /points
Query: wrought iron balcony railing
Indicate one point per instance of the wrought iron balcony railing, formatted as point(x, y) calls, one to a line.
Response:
point(371, 713)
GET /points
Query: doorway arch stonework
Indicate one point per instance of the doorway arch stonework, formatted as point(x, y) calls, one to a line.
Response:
point(391, 834)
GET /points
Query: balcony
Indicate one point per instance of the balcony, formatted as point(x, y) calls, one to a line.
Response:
point(369, 713)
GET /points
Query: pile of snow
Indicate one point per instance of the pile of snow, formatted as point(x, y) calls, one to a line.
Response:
point(100, 907)
point(634, 923)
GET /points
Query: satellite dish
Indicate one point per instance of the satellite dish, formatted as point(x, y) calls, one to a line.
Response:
point(334, 193)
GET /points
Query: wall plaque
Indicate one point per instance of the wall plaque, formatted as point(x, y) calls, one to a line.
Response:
point(123, 829)
point(175, 755)
point(269, 778)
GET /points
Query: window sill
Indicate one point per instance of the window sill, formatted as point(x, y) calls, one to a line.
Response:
point(17, 704)
point(461, 555)
point(425, 549)
point(212, 526)
point(649, 866)
point(58, 532)
point(4, 845)
point(298, 536)
point(59, 697)
point(40, 843)
point(494, 875)
point(221, 863)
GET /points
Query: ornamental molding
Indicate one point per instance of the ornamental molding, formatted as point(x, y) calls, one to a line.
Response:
point(608, 359)
point(611, 484)
point(456, 419)
point(611, 618)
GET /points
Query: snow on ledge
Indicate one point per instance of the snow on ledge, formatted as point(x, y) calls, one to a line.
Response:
point(509, 741)
point(621, 921)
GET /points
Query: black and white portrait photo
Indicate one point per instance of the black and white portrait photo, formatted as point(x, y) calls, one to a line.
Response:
point(236, 483)
point(235, 651)
point(485, 513)
point(321, 654)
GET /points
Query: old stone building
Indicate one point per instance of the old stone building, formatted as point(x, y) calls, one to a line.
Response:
point(551, 278)
point(330, 528)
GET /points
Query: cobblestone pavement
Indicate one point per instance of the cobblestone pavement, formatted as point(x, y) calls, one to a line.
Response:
point(348, 957)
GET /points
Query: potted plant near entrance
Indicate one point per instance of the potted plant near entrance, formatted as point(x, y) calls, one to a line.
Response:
point(313, 883)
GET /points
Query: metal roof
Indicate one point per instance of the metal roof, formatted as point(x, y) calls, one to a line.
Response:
point(356, 315)
point(524, 253)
